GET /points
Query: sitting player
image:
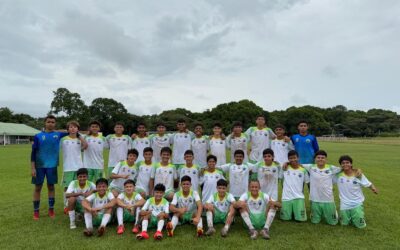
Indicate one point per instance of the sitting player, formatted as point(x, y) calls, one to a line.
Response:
point(129, 204)
point(98, 205)
point(220, 209)
point(156, 209)
point(122, 171)
point(77, 191)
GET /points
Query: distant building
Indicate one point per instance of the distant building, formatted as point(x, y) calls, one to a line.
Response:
point(14, 133)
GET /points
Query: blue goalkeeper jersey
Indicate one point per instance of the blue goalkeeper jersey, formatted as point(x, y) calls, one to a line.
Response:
point(306, 146)
point(46, 148)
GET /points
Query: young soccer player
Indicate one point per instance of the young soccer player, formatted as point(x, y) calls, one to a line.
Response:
point(98, 208)
point(218, 145)
point(294, 178)
point(191, 170)
point(305, 144)
point(350, 193)
point(182, 141)
point(159, 141)
point(165, 173)
point(281, 145)
point(93, 159)
point(220, 209)
point(238, 140)
point(255, 209)
point(44, 162)
point(119, 145)
point(156, 209)
point(186, 206)
point(200, 146)
point(77, 191)
point(129, 203)
point(124, 170)
point(209, 179)
point(141, 141)
point(145, 169)
point(260, 139)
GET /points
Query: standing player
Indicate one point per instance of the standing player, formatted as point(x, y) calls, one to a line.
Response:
point(238, 140)
point(165, 174)
point(191, 170)
point(123, 171)
point(145, 170)
point(305, 144)
point(159, 141)
point(200, 146)
point(218, 144)
point(209, 179)
point(141, 140)
point(280, 145)
point(182, 141)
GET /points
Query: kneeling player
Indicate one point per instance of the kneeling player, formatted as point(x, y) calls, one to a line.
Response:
point(186, 206)
point(220, 209)
point(98, 205)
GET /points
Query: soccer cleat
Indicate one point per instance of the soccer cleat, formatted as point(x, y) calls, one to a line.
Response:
point(135, 229)
point(72, 225)
point(265, 234)
point(253, 234)
point(158, 235)
point(36, 215)
point(170, 229)
point(51, 213)
point(200, 232)
point(142, 235)
point(224, 232)
point(101, 231)
point(88, 232)
point(66, 210)
point(210, 231)
point(120, 229)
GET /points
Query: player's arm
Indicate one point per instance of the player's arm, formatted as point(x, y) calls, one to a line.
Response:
point(111, 204)
point(121, 203)
point(139, 203)
point(315, 144)
point(144, 211)
point(86, 205)
point(35, 147)
point(84, 144)
point(151, 186)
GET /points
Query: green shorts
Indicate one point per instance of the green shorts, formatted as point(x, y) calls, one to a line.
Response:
point(219, 217)
point(327, 210)
point(294, 207)
point(186, 218)
point(258, 220)
point(128, 217)
point(94, 174)
point(68, 177)
point(153, 222)
point(109, 172)
point(79, 208)
point(353, 216)
point(97, 219)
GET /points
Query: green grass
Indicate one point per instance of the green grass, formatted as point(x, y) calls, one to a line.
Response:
point(379, 161)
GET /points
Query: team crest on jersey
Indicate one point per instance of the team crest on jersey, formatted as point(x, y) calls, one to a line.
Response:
point(274, 170)
point(341, 180)
point(99, 142)
point(327, 172)
point(44, 137)
point(354, 182)
point(300, 175)
point(194, 171)
point(220, 142)
point(283, 144)
point(266, 134)
point(165, 139)
point(146, 142)
point(297, 139)
point(308, 140)
point(124, 139)
point(170, 172)
point(185, 136)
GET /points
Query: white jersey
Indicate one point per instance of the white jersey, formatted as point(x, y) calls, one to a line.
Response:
point(193, 172)
point(130, 200)
point(97, 202)
point(144, 175)
point(119, 146)
point(122, 168)
point(156, 209)
point(165, 175)
point(260, 139)
point(321, 182)
point(157, 143)
point(281, 150)
point(189, 202)
point(139, 144)
point(221, 205)
point(293, 183)
point(258, 205)
point(218, 148)
point(200, 148)
point(74, 188)
point(238, 177)
point(209, 181)
point(236, 143)
point(93, 155)
point(350, 190)
point(181, 142)
point(72, 158)
point(268, 176)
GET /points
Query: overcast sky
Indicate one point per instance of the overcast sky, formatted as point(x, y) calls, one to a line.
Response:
point(158, 55)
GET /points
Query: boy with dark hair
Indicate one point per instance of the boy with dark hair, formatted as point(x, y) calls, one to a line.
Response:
point(200, 146)
point(281, 145)
point(191, 170)
point(237, 140)
point(145, 169)
point(123, 171)
point(181, 141)
point(209, 179)
point(218, 144)
point(159, 140)
point(141, 140)
point(304, 143)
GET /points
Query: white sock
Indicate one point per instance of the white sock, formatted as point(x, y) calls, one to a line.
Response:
point(160, 225)
point(174, 221)
point(200, 224)
point(120, 216)
point(145, 224)
point(137, 215)
point(209, 219)
point(88, 220)
point(247, 220)
point(71, 216)
point(65, 200)
point(270, 218)
point(104, 221)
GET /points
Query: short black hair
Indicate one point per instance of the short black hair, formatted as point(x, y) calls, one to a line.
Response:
point(159, 187)
point(302, 121)
point(198, 125)
point(94, 122)
point(238, 152)
point(82, 171)
point(268, 151)
point(166, 150)
point(147, 149)
point(211, 157)
point(129, 181)
point(101, 181)
point(159, 124)
point(345, 158)
point(320, 152)
point(120, 124)
point(217, 124)
point(52, 117)
point(141, 124)
point(181, 121)
point(293, 152)
point(188, 152)
point(133, 151)
point(237, 124)
point(222, 182)
point(260, 115)
point(280, 126)
point(186, 178)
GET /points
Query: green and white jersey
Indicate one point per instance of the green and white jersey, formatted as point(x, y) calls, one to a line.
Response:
point(72, 158)
point(350, 190)
point(157, 143)
point(218, 148)
point(268, 176)
point(122, 168)
point(235, 143)
point(200, 147)
point(119, 146)
point(321, 182)
point(165, 175)
point(139, 144)
point(293, 183)
point(144, 175)
point(281, 150)
point(260, 139)
point(193, 172)
point(97, 202)
point(181, 142)
point(256, 205)
point(156, 209)
point(209, 181)
point(130, 200)
point(189, 201)
point(222, 205)
point(74, 188)
point(238, 177)
point(93, 155)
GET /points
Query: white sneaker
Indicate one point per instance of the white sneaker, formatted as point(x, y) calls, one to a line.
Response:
point(72, 225)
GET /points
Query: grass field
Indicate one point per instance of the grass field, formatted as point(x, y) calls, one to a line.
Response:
point(379, 160)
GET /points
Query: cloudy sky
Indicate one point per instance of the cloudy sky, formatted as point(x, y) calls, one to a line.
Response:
point(158, 55)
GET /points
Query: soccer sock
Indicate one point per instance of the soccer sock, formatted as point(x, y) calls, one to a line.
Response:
point(71, 216)
point(137, 215)
point(36, 205)
point(200, 224)
point(120, 216)
point(104, 221)
point(51, 202)
point(270, 218)
point(209, 219)
point(65, 200)
point(160, 225)
point(246, 219)
point(145, 223)
point(174, 221)
point(88, 220)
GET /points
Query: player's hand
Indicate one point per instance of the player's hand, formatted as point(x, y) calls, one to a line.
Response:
point(374, 189)
point(285, 166)
point(286, 139)
point(126, 176)
point(196, 220)
point(133, 136)
point(33, 172)
point(86, 194)
point(161, 215)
